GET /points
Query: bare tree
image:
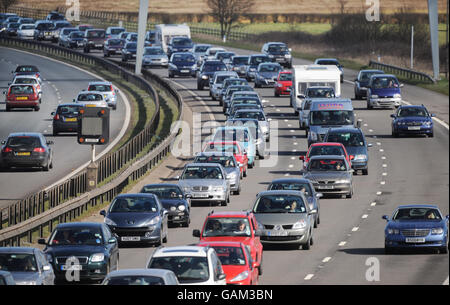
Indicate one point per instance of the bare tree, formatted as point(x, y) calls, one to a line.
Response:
point(342, 4)
point(228, 11)
point(5, 4)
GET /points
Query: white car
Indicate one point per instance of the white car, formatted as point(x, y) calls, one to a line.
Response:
point(191, 264)
point(211, 53)
point(28, 79)
point(91, 99)
point(108, 91)
point(26, 31)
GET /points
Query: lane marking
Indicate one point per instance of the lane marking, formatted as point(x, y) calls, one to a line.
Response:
point(383, 182)
point(355, 229)
point(364, 216)
point(446, 282)
point(373, 204)
point(384, 174)
point(379, 193)
point(384, 165)
point(308, 277)
point(342, 243)
point(326, 259)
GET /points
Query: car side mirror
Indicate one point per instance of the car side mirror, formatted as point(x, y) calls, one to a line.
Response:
point(50, 142)
point(196, 233)
point(401, 85)
point(355, 79)
point(301, 158)
point(9, 84)
point(53, 113)
point(369, 145)
point(254, 265)
point(313, 211)
point(352, 157)
point(177, 177)
point(112, 240)
point(385, 217)
point(392, 116)
point(352, 171)
point(164, 212)
point(188, 196)
point(319, 195)
point(42, 241)
point(221, 277)
point(103, 213)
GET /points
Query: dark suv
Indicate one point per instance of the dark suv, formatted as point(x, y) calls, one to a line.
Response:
point(179, 44)
point(278, 52)
point(207, 70)
point(94, 39)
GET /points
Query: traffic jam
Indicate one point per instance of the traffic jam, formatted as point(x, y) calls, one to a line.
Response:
point(230, 243)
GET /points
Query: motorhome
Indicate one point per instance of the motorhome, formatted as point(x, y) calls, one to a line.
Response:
point(164, 33)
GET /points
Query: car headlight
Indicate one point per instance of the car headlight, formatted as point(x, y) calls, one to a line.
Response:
point(98, 257)
point(437, 231)
point(240, 277)
point(374, 96)
point(231, 176)
point(181, 207)
point(393, 231)
point(173, 208)
point(312, 135)
point(360, 158)
point(252, 69)
point(219, 189)
point(288, 55)
point(109, 222)
point(194, 66)
point(343, 181)
point(299, 224)
point(152, 221)
point(186, 189)
point(397, 95)
point(204, 77)
point(427, 124)
point(271, 56)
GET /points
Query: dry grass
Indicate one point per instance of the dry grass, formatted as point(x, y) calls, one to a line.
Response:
point(262, 7)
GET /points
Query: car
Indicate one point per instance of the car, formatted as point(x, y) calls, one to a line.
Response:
point(28, 266)
point(384, 90)
point(278, 52)
point(303, 185)
point(311, 93)
point(129, 51)
point(154, 57)
point(414, 119)
point(5, 16)
point(27, 149)
point(84, 27)
point(216, 82)
point(355, 144)
point(28, 80)
point(150, 39)
point(22, 96)
point(87, 247)
point(199, 51)
point(137, 218)
point(241, 95)
point(226, 99)
point(59, 25)
point(325, 149)
point(257, 114)
point(205, 182)
point(64, 36)
point(253, 63)
point(74, 40)
point(123, 35)
point(211, 53)
point(26, 31)
point(65, 118)
point(191, 264)
point(225, 57)
point(174, 200)
point(91, 99)
point(133, 277)
point(179, 45)
point(283, 85)
point(113, 46)
point(94, 39)
point(240, 134)
point(416, 226)
point(229, 163)
point(255, 128)
point(233, 147)
point(267, 74)
point(43, 30)
point(284, 218)
point(231, 82)
point(207, 70)
point(361, 82)
point(107, 89)
point(131, 37)
point(243, 103)
point(12, 28)
point(55, 16)
point(331, 62)
point(6, 278)
point(238, 64)
point(27, 70)
point(182, 64)
point(224, 226)
point(113, 32)
point(236, 262)
point(330, 175)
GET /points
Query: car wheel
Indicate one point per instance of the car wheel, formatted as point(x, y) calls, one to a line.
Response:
point(349, 195)
point(365, 172)
point(165, 238)
point(306, 246)
point(388, 250)
point(55, 132)
point(238, 190)
point(36, 108)
point(315, 223)
point(295, 112)
point(318, 219)
point(277, 94)
point(369, 106)
point(8, 109)
point(46, 168)
point(245, 173)
point(224, 203)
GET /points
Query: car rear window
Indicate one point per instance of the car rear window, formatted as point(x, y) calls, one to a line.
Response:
point(22, 90)
point(26, 69)
point(69, 109)
point(25, 81)
point(135, 280)
point(326, 150)
point(23, 142)
point(96, 34)
point(90, 97)
point(101, 88)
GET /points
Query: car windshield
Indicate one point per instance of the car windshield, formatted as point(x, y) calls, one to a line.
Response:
point(62, 25)
point(134, 280)
point(279, 204)
point(131, 46)
point(14, 25)
point(365, 76)
point(327, 165)
point(45, 26)
point(117, 31)
point(408, 112)
point(76, 236)
point(353, 139)
point(231, 134)
point(132, 37)
point(144, 204)
point(26, 69)
point(76, 35)
point(231, 226)
point(250, 115)
point(328, 62)
point(292, 186)
point(269, 68)
point(67, 31)
point(115, 42)
point(65, 110)
point(332, 117)
point(250, 124)
point(22, 90)
point(320, 92)
point(256, 60)
point(201, 49)
point(326, 150)
point(218, 147)
point(222, 56)
point(233, 89)
point(234, 82)
point(417, 214)
point(226, 161)
point(215, 67)
point(285, 77)
point(163, 192)
point(27, 27)
point(23, 142)
point(183, 58)
point(96, 34)
point(277, 48)
point(18, 262)
point(202, 172)
point(101, 88)
point(221, 78)
point(181, 41)
point(213, 51)
point(154, 51)
point(239, 106)
point(87, 97)
point(188, 269)
point(233, 256)
point(25, 80)
point(384, 82)
point(240, 60)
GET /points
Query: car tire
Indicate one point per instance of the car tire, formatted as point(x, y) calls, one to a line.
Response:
point(36, 108)
point(388, 250)
point(238, 192)
point(200, 87)
point(306, 246)
point(46, 168)
point(369, 106)
point(365, 172)
point(8, 109)
point(165, 238)
point(277, 94)
point(224, 203)
point(349, 195)
point(55, 132)
point(245, 173)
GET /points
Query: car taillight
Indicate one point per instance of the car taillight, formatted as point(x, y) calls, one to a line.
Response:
point(39, 150)
point(7, 150)
point(56, 117)
point(37, 75)
point(112, 90)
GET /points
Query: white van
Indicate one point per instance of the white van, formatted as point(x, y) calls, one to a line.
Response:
point(164, 32)
point(305, 76)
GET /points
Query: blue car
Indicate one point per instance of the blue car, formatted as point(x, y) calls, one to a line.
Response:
point(416, 226)
point(384, 91)
point(415, 120)
point(361, 82)
point(182, 64)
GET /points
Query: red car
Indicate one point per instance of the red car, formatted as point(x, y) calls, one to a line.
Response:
point(234, 227)
point(327, 149)
point(237, 263)
point(230, 146)
point(284, 83)
point(22, 96)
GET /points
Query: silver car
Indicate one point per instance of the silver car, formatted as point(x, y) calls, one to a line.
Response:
point(216, 82)
point(108, 91)
point(114, 32)
point(259, 115)
point(229, 163)
point(155, 56)
point(28, 266)
point(141, 277)
point(91, 99)
point(199, 51)
point(286, 218)
point(257, 133)
point(330, 175)
point(206, 182)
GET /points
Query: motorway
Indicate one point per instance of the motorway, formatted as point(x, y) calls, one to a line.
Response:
point(61, 84)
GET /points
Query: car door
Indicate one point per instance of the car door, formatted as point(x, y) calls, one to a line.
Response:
point(113, 249)
point(216, 269)
point(47, 276)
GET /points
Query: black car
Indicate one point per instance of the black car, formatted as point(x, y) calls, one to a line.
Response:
point(75, 40)
point(27, 149)
point(207, 71)
point(89, 248)
point(137, 218)
point(129, 51)
point(179, 44)
point(44, 30)
point(173, 200)
point(113, 46)
point(362, 81)
point(238, 64)
point(278, 52)
point(65, 118)
point(182, 64)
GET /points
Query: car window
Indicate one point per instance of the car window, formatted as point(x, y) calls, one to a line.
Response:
point(201, 49)
point(16, 90)
point(163, 192)
point(331, 117)
point(269, 68)
point(77, 236)
point(100, 88)
point(84, 97)
point(135, 280)
point(284, 77)
point(326, 150)
point(96, 34)
point(231, 226)
point(412, 111)
point(225, 161)
point(18, 262)
point(218, 147)
point(320, 92)
point(354, 139)
point(215, 67)
point(23, 142)
point(144, 204)
point(240, 135)
point(153, 51)
point(279, 204)
point(277, 48)
point(250, 115)
point(384, 82)
point(202, 172)
point(22, 80)
point(292, 186)
point(183, 58)
point(327, 165)
point(187, 269)
point(240, 60)
point(66, 110)
point(417, 214)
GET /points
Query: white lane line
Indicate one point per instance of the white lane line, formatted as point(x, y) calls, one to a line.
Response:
point(378, 143)
point(326, 259)
point(292, 158)
point(379, 193)
point(365, 125)
point(364, 216)
point(295, 143)
point(381, 150)
point(342, 243)
point(308, 277)
point(383, 182)
point(384, 165)
point(373, 204)
point(370, 130)
point(383, 158)
point(355, 229)
point(445, 282)
point(292, 130)
point(291, 166)
point(384, 174)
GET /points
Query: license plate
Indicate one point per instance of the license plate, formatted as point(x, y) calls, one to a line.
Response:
point(200, 196)
point(22, 98)
point(278, 233)
point(71, 119)
point(415, 240)
point(48, 34)
point(23, 153)
point(98, 45)
point(130, 238)
point(79, 43)
point(184, 71)
point(414, 128)
point(176, 218)
point(91, 105)
point(325, 187)
point(71, 267)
